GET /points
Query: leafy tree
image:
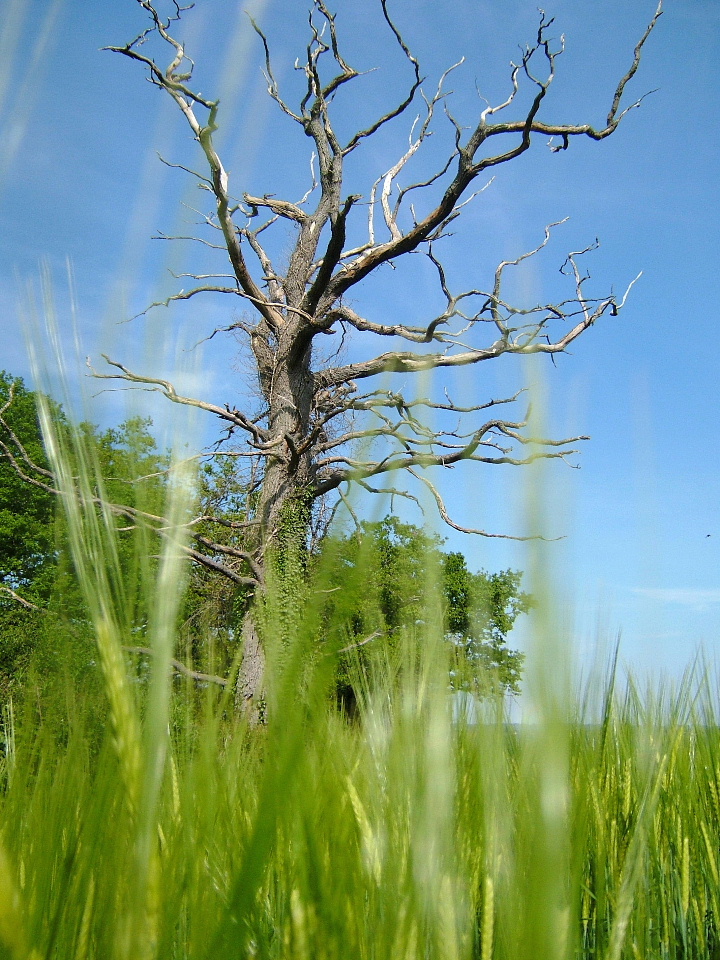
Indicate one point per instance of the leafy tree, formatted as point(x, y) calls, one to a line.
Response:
point(27, 509)
point(215, 605)
point(42, 614)
point(384, 577)
point(134, 473)
point(318, 424)
point(481, 609)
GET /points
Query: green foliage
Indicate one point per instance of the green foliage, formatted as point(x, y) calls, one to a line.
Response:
point(133, 473)
point(480, 610)
point(214, 606)
point(386, 578)
point(50, 638)
point(27, 536)
point(48, 661)
point(131, 465)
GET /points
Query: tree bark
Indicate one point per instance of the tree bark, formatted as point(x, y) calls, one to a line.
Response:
point(282, 515)
point(249, 686)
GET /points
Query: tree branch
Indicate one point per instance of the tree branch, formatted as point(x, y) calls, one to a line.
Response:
point(234, 417)
point(442, 510)
point(16, 596)
point(180, 668)
point(176, 86)
point(469, 168)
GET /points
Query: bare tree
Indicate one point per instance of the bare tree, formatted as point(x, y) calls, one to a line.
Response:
point(321, 427)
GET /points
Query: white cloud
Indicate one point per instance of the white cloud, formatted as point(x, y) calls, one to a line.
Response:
point(681, 596)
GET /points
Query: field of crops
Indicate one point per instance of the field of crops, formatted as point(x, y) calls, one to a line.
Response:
point(405, 833)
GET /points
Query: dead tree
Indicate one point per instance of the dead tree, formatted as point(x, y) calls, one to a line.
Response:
point(319, 428)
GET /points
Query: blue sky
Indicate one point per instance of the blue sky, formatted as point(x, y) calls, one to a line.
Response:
point(80, 183)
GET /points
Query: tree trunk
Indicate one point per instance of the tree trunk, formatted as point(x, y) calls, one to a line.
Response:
point(249, 686)
point(282, 513)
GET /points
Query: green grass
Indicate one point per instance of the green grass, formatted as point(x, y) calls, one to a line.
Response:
point(406, 834)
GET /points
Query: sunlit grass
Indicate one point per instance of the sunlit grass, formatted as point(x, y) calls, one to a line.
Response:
point(405, 835)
